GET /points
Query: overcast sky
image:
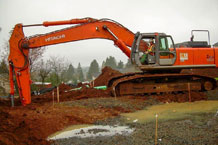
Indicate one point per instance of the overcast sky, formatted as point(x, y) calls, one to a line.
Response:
point(174, 17)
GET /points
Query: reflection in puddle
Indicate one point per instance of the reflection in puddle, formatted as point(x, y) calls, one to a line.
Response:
point(93, 131)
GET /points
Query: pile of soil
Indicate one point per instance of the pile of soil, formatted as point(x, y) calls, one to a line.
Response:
point(105, 76)
point(85, 93)
point(67, 94)
point(63, 87)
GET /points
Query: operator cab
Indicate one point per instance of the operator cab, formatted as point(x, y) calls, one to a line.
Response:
point(158, 55)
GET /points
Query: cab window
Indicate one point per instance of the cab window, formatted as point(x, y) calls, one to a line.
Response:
point(165, 43)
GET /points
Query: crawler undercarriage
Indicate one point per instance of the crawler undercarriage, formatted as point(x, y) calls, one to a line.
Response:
point(145, 83)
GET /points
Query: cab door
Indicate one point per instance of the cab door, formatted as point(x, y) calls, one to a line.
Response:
point(166, 54)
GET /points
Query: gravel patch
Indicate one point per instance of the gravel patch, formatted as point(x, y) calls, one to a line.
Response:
point(111, 103)
point(199, 129)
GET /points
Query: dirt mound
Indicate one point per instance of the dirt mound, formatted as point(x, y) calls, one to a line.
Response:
point(67, 94)
point(105, 76)
point(85, 93)
point(64, 87)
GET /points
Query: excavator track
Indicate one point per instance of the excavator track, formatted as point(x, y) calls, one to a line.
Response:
point(143, 83)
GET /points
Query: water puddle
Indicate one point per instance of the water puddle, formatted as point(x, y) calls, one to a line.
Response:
point(171, 111)
point(91, 131)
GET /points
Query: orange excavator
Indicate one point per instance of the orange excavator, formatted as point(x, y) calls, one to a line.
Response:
point(160, 67)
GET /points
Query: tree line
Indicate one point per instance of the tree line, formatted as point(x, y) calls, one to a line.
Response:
point(57, 70)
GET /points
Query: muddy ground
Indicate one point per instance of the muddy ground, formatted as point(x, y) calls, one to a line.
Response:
point(32, 124)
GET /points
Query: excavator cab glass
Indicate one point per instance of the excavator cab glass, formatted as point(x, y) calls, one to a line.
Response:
point(143, 49)
point(167, 52)
point(151, 50)
point(147, 50)
point(165, 43)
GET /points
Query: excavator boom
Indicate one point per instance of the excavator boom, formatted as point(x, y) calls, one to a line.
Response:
point(87, 28)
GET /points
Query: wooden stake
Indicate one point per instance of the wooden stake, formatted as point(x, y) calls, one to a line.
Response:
point(156, 129)
point(58, 94)
point(189, 92)
point(93, 81)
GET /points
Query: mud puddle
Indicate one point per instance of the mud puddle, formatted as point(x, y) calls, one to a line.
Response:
point(86, 131)
point(171, 111)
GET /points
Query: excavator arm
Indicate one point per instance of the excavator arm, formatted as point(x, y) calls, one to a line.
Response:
point(87, 28)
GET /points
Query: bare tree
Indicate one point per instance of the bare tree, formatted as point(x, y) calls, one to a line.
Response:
point(59, 67)
point(44, 70)
point(35, 56)
point(4, 51)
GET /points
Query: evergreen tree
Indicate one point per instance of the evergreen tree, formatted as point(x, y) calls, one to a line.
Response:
point(93, 70)
point(63, 76)
point(103, 65)
point(111, 62)
point(120, 65)
point(70, 72)
point(89, 75)
point(80, 73)
point(128, 64)
point(54, 79)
